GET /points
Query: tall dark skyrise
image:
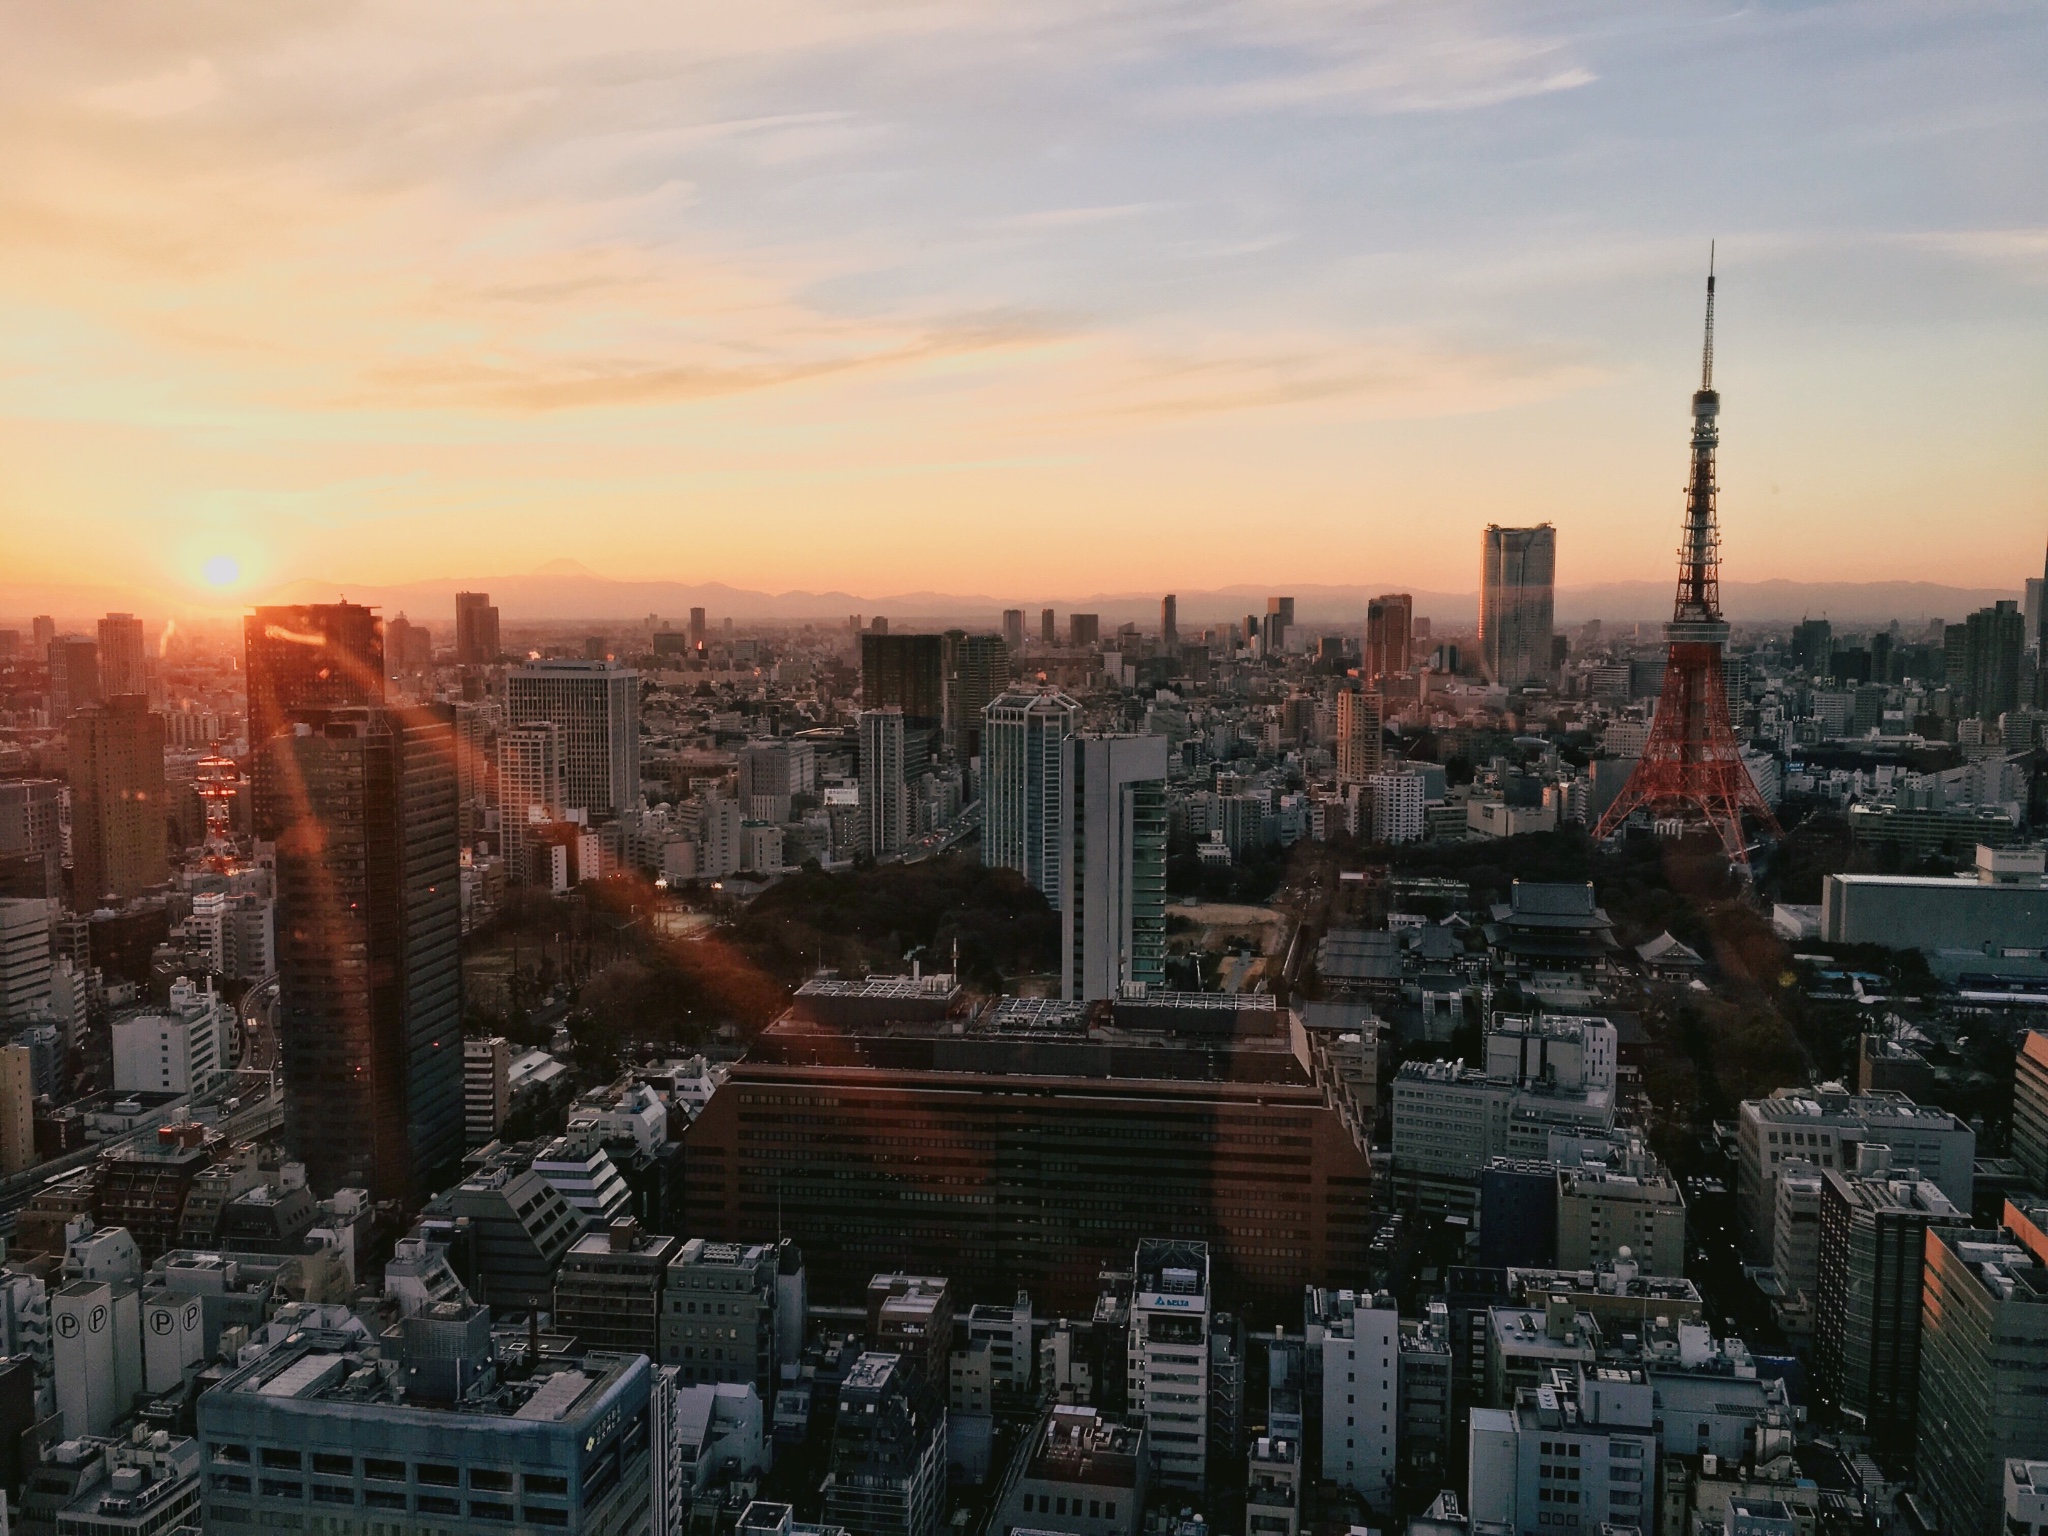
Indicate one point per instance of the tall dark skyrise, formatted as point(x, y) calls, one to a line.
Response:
point(977, 669)
point(117, 800)
point(476, 628)
point(368, 928)
point(1389, 635)
point(1993, 643)
point(310, 656)
point(908, 671)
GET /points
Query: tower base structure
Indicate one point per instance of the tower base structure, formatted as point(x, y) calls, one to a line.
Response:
point(1691, 768)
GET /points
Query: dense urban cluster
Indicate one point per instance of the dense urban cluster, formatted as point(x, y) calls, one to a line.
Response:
point(489, 1077)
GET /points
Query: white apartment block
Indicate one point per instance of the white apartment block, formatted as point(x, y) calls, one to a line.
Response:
point(1359, 1339)
point(182, 1048)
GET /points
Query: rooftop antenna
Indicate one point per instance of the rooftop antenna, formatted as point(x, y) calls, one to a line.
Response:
point(1707, 352)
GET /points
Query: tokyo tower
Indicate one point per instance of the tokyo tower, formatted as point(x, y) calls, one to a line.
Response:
point(1690, 770)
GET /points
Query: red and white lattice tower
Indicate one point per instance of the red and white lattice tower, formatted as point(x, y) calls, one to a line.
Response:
point(1691, 770)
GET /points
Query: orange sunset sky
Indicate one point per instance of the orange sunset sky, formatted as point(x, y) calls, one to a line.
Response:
point(1060, 297)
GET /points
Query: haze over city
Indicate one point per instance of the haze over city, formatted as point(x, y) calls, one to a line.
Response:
point(1052, 301)
point(1218, 768)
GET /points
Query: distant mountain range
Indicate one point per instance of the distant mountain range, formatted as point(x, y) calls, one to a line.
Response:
point(565, 592)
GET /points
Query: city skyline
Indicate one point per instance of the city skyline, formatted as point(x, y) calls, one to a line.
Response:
point(1393, 275)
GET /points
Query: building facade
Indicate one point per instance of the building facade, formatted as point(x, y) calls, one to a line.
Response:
point(118, 803)
point(369, 924)
point(1112, 865)
point(595, 707)
point(1023, 762)
point(1517, 604)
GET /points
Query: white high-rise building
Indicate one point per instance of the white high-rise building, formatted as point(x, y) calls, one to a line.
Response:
point(721, 838)
point(886, 821)
point(1397, 807)
point(1168, 1358)
point(531, 789)
point(1112, 865)
point(1023, 751)
point(208, 927)
point(24, 958)
point(181, 1048)
point(1359, 1339)
point(595, 705)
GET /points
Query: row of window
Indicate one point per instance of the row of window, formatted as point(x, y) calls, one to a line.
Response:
point(423, 1504)
point(378, 1469)
point(1049, 1504)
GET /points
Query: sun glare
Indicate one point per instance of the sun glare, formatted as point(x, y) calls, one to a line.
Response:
point(222, 571)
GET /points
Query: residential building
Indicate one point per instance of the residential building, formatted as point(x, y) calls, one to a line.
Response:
point(1152, 1103)
point(1086, 1475)
point(486, 1088)
point(1358, 748)
point(608, 1292)
point(595, 707)
point(317, 1420)
point(368, 922)
point(1866, 1345)
point(532, 792)
point(887, 821)
point(1168, 1362)
point(1013, 628)
point(1815, 1127)
point(1112, 865)
point(1398, 799)
point(1357, 1339)
point(1983, 1353)
point(118, 804)
point(887, 1473)
point(1516, 605)
point(1023, 761)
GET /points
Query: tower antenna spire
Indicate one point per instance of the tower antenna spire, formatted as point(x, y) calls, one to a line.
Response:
point(1691, 770)
point(1707, 352)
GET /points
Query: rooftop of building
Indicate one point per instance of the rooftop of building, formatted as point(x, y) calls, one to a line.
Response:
point(329, 1367)
point(624, 1239)
point(1158, 1035)
point(1624, 1278)
point(1838, 1104)
point(2006, 1269)
point(698, 1253)
point(1081, 1445)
